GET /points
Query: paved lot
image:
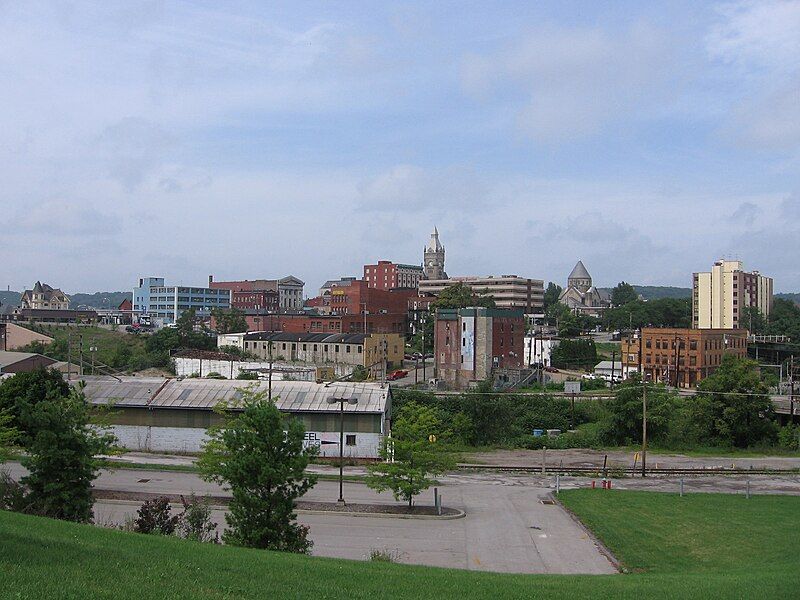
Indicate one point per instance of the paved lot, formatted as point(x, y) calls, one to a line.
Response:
point(588, 458)
point(507, 528)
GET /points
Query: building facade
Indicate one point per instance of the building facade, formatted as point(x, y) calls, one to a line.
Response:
point(43, 296)
point(508, 291)
point(325, 323)
point(289, 290)
point(719, 295)
point(684, 357)
point(581, 296)
point(257, 300)
point(166, 304)
point(470, 343)
point(386, 275)
point(433, 258)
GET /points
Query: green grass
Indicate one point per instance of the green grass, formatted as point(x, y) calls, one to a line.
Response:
point(699, 546)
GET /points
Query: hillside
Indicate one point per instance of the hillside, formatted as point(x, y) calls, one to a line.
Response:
point(99, 299)
point(653, 292)
point(9, 298)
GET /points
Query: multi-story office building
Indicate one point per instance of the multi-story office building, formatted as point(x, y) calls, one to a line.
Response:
point(508, 291)
point(387, 275)
point(165, 303)
point(471, 343)
point(719, 295)
point(684, 357)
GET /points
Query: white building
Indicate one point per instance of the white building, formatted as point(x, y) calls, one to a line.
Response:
point(719, 295)
point(539, 350)
point(171, 415)
point(607, 370)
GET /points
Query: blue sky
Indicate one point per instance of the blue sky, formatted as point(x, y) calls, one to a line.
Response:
point(258, 139)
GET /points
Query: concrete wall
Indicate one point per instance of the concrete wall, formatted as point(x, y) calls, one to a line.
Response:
point(231, 369)
point(190, 440)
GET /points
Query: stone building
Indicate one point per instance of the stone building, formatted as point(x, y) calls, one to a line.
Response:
point(581, 296)
point(433, 258)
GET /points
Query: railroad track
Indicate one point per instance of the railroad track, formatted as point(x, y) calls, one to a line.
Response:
point(617, 471)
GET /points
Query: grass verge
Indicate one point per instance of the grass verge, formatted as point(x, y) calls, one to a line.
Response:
point(699, 546)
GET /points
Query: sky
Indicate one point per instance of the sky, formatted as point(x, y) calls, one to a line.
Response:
point(260, 139)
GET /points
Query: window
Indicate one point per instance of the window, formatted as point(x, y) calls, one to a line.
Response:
point(648, 343)
point(347, 349)
point(693, 345)
point(304, 347)
point(350, 439)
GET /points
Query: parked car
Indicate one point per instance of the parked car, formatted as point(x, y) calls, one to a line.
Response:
point(551, 369)
point(398, 374)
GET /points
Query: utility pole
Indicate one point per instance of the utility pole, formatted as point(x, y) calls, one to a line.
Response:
point(644, 429)
point(613, 359)
point(791, 388)
point(269, 384)
point(69, 355)
point(424, 326)
point(677, 361)
point(80, 351)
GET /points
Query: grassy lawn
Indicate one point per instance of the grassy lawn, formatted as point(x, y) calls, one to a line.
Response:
point(699, 546)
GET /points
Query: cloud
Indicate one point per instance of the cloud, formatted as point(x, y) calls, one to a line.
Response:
point(61, 218)
point(569, 83)
point(406, 188)
point(790, 208)
point(761, 41)
point(745, 214)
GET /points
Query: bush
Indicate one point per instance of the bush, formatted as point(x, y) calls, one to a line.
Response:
point(195, 522)
point(155, 516)
point(247, 375)
point(12, 493)
point(789, 437)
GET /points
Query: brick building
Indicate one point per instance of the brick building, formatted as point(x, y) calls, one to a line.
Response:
point(289, 291)
point(261, 300)
point(321, 323)
point(684, 357)
point(387, 275)
point(471, 343)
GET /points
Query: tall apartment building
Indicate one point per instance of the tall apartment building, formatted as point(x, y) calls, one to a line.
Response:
point(289, 289)
point(387, 275)
point(166, 303)
point(470, 343)
point(719, 295)
point(508, 291)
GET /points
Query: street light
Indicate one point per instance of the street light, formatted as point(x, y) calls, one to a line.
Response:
point(341, 402)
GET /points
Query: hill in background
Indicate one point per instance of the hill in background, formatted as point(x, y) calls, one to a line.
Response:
point(95, 300)
point(653, 292)
point(9, 298)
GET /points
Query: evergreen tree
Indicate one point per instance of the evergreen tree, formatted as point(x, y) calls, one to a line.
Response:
point(62, 445)
point(623, 293)
point(259, 454)
point(551, 295)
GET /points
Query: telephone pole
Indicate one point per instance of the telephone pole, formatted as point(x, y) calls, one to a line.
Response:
point(644, 429)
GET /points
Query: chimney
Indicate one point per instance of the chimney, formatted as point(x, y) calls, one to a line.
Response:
point(210, 279)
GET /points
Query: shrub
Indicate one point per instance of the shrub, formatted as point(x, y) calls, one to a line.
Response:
point(195, 522)
point(155, 516)
point(12, 493)
point(789, 437)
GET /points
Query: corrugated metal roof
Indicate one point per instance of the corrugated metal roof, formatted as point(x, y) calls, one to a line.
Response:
point(204, 394)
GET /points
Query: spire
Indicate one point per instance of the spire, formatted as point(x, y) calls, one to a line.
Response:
point(579, 272)
point(434, 245)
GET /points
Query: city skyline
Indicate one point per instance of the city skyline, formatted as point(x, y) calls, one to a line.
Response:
point(182, 141)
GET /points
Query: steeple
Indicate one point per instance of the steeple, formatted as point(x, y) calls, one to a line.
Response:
point(433, 257)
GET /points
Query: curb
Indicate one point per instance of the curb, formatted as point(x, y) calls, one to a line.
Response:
point(600, 545)
point(460, 514)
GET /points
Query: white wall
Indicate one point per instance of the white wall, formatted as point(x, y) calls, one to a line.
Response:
point(190, 440)
point(541, 351)
point(230, 369)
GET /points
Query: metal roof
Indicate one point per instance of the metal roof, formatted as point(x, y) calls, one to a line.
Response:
point(11, 358)
point(205, 394)
point(579, 272)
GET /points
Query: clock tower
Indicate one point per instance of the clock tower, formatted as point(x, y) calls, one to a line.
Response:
point(433, 255)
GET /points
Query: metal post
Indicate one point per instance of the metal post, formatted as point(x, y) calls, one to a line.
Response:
point(644, 430)
point(424, 325)
point(341, 450)
point(681, 487)
point(558, 483)
point(544, 459)
point(80, 351)
point(269, 384)
point(748, 489)
point(69, 355)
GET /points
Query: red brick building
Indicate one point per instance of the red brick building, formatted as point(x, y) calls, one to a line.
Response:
point(387, 275)
point(353, 299)
point(471, 343)
point(305, 323)
point(261, 300)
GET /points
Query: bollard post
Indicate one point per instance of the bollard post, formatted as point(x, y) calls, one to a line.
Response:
point(593, 482)
point(748, 489)
point(558, 483)
point(544, 459)
point(609, 484)
point(439, 504)
point(436, 496)
point(681, 487)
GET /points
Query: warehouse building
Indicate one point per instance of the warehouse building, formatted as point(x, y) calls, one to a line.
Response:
point(171, 415)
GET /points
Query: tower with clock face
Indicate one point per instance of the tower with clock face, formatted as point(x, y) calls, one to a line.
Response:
point(433, 255)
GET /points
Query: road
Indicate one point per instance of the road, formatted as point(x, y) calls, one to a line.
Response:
point(506, 527)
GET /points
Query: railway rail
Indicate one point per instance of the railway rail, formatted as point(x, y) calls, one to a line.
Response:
point(625, 471)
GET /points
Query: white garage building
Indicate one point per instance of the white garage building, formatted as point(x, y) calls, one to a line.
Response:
point(171, 415)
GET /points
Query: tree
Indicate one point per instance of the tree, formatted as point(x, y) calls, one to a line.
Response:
point(551, 295)
point(460, 295)
point(574, 354)
point(753, 320)
point(184, 325)
point(8, 435)
point(62, 444)
point(259, 454)
point(623, 293)
point(733, 407)
point(413, 455)
point(623, 421)
point(20, 394)
point(230, 320)
point(784, 319)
